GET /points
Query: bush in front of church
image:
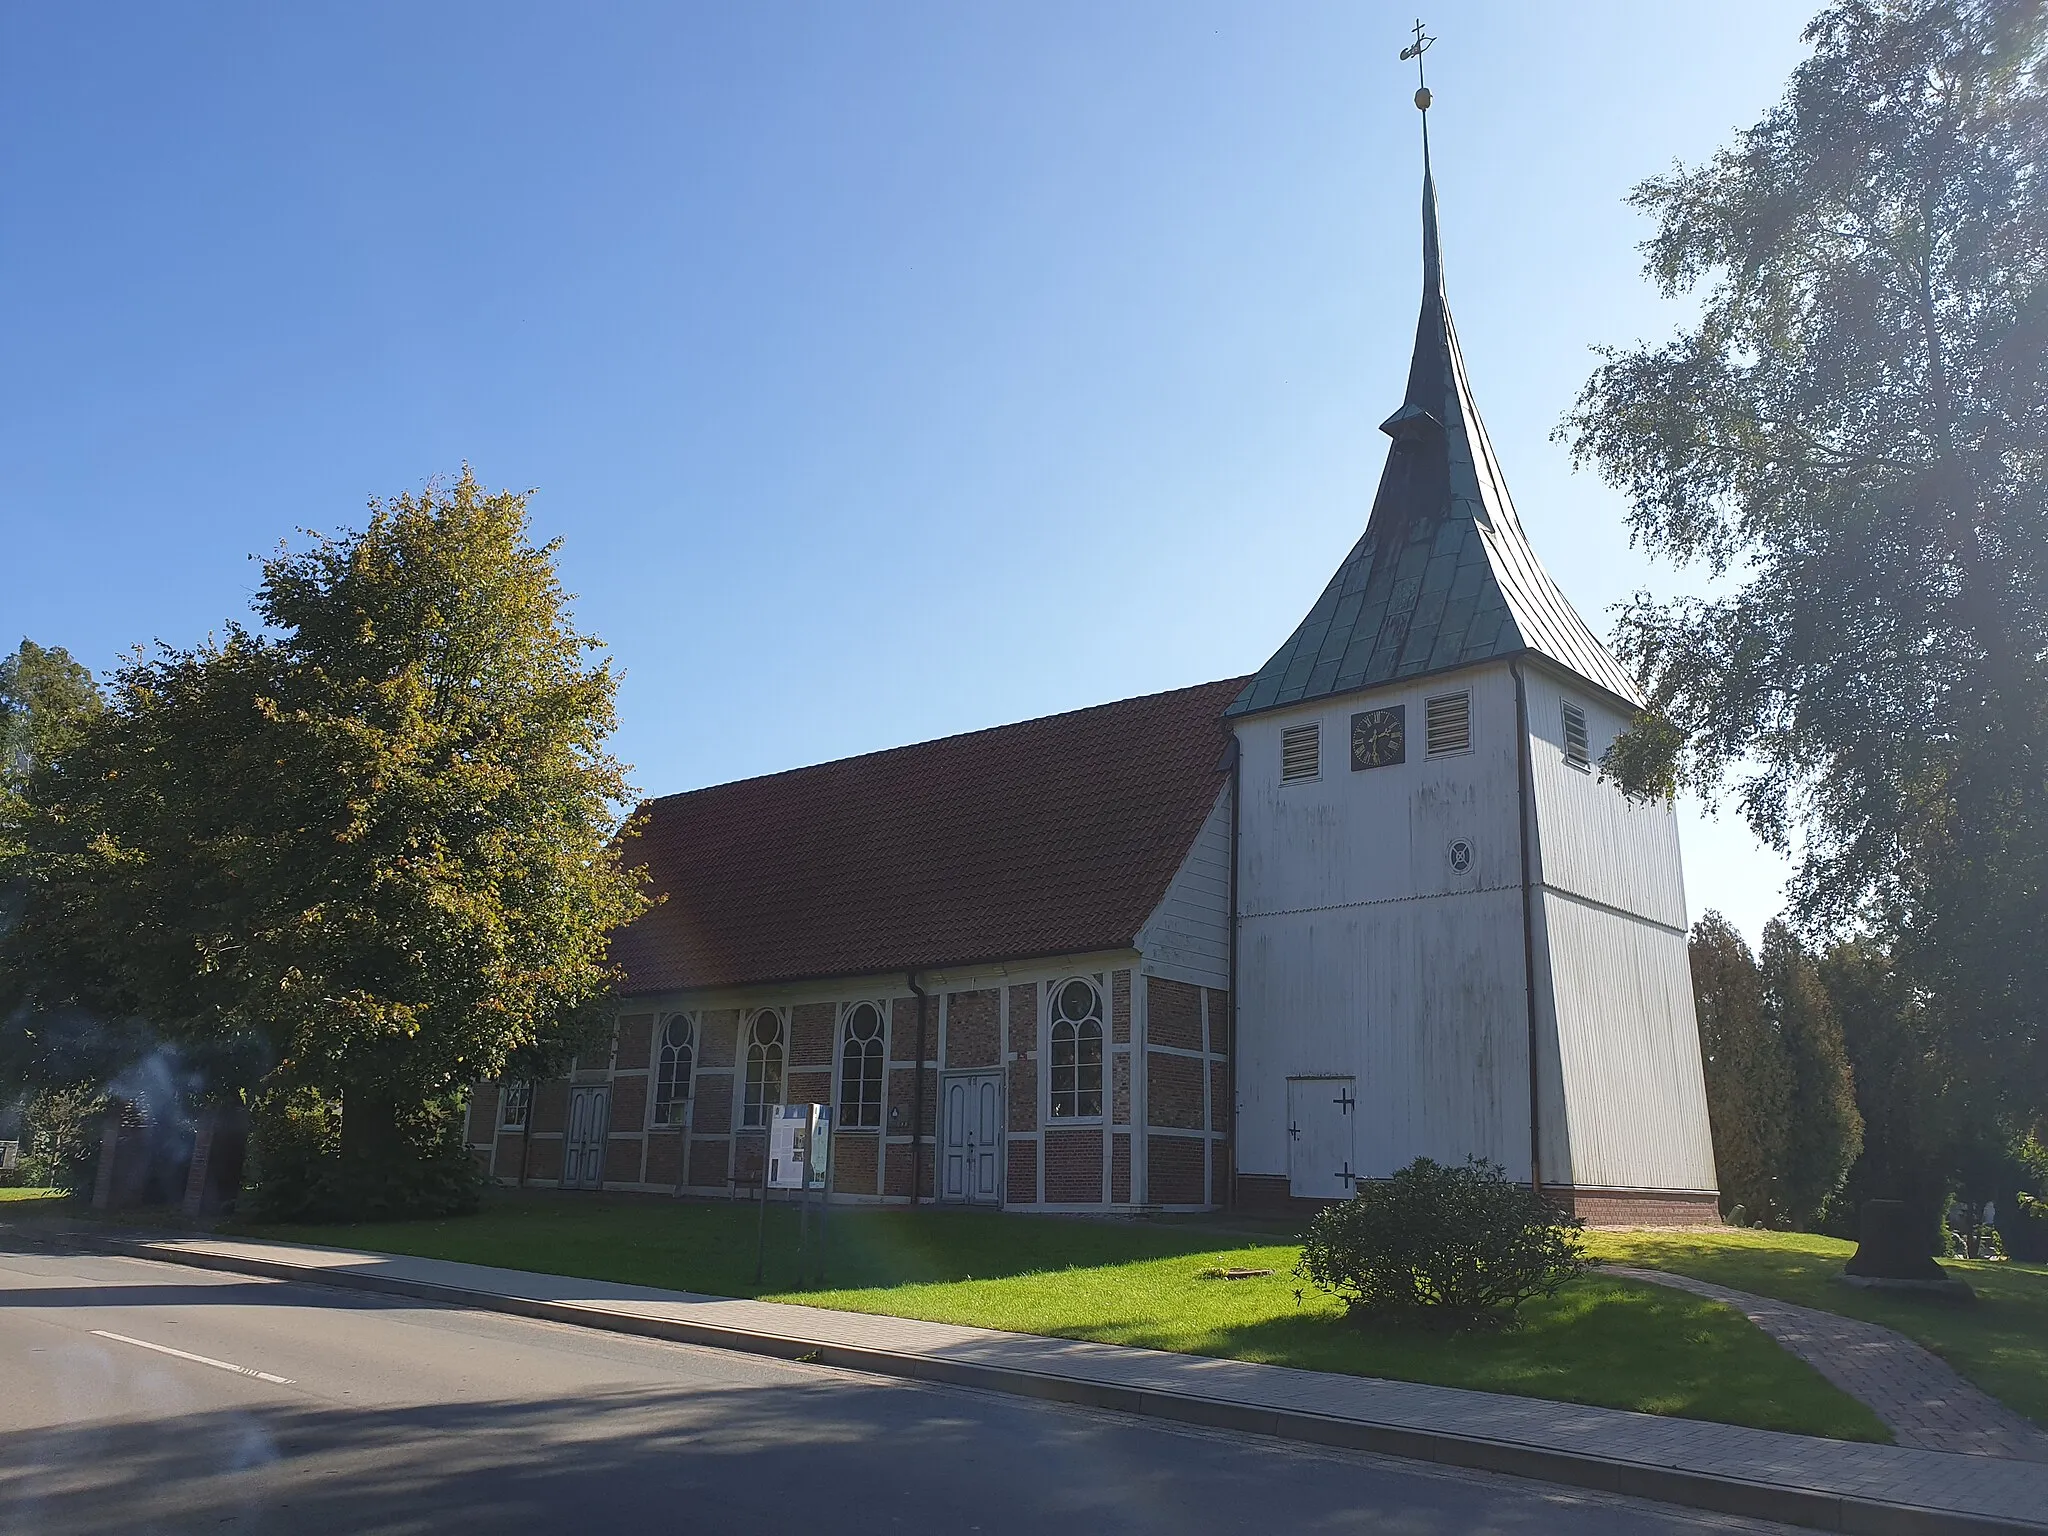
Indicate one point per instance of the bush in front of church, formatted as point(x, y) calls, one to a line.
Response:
point(1441, 1247)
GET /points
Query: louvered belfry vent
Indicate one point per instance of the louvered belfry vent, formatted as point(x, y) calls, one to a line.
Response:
point(1301, 753)
point(1577, 750)
point(1448, 724)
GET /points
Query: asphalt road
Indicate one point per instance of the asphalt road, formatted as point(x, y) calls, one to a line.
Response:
point(146, 1397)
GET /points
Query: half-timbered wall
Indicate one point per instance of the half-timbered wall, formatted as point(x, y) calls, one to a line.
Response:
point(1159, 1123)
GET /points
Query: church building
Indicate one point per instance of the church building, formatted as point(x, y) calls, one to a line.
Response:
point(1237, 945)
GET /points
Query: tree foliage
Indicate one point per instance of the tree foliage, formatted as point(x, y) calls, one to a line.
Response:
point(45, 697)
point(1749, 1082)
point(1824, 1131)
point(370, 840)
point(1781, 1100)
point(1853, 437)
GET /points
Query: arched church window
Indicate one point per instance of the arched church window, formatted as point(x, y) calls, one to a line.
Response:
point(764, 1067)
point(860, 1067)
point(672, 1069)
point(1076, 1050)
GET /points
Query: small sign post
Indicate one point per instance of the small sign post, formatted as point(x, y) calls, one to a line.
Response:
point(799, 1158)
point(821, 1173)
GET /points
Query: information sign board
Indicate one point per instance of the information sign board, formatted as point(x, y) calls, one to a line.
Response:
point(789, 1146)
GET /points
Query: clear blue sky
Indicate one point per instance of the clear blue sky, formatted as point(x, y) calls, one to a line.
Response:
point(887, 370)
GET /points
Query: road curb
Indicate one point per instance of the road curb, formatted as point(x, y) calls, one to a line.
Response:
point(1667, 1484)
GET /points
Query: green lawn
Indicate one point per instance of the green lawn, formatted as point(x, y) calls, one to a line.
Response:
point(1602, 1341)
point(2000, 1342)
point(49, 1196)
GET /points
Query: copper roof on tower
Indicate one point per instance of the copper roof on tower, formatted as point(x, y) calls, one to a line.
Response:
point(1443, 576)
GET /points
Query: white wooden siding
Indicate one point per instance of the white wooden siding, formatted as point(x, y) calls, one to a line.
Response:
point(1592, 840)
point(1380, 834)
point(1364, 952)
point(1422, 1002)
point(1625, 1101)
point(1187, 937)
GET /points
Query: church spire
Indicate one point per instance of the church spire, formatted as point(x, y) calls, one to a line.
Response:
point(1443, 577)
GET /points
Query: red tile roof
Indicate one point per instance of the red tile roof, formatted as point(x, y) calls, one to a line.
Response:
point(1049, 837)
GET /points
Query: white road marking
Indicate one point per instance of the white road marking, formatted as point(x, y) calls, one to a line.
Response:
point(218, 1365)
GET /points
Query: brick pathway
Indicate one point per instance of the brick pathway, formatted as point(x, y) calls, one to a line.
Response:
point(1922, 1401)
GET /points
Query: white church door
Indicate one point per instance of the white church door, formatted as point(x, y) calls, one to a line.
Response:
point(590, 1119)
point(971, 1147)
point(1322, 1116)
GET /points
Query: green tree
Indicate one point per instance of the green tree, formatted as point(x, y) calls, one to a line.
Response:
point(1749, 1083)
point(373, 840)
point(1853, 437)
point(1823, 1131)
point(44, 698)
point(1912, 1121)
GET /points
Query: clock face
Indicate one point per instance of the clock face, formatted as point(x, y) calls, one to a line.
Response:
point(1379, 737)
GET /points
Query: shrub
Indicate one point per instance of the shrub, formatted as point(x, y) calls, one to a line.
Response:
point(1447, 1247)
point(2024, 1229)
point(61, 1141)
point(296, 1171)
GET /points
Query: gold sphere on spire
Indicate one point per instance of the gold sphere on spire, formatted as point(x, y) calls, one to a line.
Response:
point(1422, 98)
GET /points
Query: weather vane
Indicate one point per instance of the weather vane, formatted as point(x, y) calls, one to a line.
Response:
point(1415, 51)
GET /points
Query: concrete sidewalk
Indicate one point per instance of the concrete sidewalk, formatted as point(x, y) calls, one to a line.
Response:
point(1827, 1484)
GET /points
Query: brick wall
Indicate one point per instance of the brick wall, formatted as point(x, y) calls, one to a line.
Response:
point(707, 1161)
point(1073, 1167)
point(853, 1162)
point(1219, 1172)
point(898, 1169)
point(1219, 1096)
point(483, 1114)
point(622, 1159)
point(1173, 1091)
point(711, 1108)
point(1219, 1021)
point(1639, 1208)
point(664, 1157)
point(1024, 1017)
point(718, 1035)
point(1023, 1091)
point(810, 1038)
point(1120, 1169)
point(629, 1103)
point(630, 1052)
point(1173, 1013)
point(544, 1159)
point(550, 1106)
point(1120, 1088)
point(901, 1084)
point(1022, 1187)
point(1120, 1006)
point(808, 1088)
point(505, 1164)
point(750, 1155)
point(1023, 1083)
point(903, 1030)
point(973, 1037)
point(1173, 1174)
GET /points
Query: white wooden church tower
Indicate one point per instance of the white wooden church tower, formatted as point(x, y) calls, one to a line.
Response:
point(1453, 936)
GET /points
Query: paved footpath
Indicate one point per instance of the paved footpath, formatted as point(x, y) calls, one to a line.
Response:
point(1921, 1400)
point(1883, 1490)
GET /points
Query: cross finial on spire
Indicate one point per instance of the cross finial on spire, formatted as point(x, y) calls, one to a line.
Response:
point(1415, 51)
